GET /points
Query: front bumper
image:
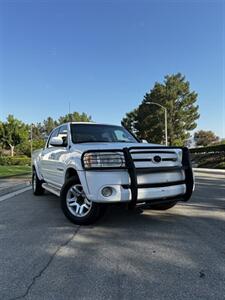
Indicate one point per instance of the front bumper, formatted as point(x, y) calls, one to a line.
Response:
point(140, 185)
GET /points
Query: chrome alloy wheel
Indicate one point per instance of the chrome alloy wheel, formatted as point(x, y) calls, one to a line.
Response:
point(77, 202)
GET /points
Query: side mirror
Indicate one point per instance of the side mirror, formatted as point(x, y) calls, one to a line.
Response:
point(144, 141)
point(56, 141)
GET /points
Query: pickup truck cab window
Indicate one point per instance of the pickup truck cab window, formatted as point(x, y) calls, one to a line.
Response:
point(95, 133)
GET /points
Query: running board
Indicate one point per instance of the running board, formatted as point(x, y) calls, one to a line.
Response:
point(51, 189)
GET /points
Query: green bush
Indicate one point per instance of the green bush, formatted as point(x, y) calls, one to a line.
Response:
point(208, 149)
point(15, 160)
point(221, 165)
point(25, 147)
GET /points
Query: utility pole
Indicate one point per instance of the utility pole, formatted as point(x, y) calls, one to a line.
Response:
point(70, 117)
point(31, 140)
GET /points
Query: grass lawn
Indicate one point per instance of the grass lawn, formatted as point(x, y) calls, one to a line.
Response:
point(14, 170)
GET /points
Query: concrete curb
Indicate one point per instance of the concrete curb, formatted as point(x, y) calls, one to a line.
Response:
point(15, 188)
point(211, 171)
point(16, 175)
point(13, 194)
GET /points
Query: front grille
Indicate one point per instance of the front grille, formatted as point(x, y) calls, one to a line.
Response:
point(150, 159)
point(154, 159)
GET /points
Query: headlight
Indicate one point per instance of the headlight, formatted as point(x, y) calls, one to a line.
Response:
point(103, 160)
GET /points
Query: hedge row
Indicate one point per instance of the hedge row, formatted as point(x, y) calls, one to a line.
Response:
point(208, 149)
point(12, 161)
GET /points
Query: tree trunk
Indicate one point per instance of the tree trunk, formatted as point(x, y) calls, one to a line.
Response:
point(12, 149)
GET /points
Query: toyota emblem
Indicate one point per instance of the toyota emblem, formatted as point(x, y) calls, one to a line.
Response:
point(157, 159)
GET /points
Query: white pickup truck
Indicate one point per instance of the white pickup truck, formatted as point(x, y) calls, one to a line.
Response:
point(90, 165)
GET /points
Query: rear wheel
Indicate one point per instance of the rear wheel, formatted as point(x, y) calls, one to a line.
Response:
point(75, 205)
point(37, 184)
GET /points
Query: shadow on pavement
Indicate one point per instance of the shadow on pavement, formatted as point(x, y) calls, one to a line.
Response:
point(174, 254)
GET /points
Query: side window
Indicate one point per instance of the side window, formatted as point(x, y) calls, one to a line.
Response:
point(63, 133)
point(53, 134)
point(59, 132)
point(63, 130)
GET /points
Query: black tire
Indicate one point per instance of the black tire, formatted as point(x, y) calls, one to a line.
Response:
point(96, 211)
point(164, 206)
point(37, 184)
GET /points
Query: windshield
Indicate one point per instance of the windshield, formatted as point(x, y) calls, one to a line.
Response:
point(93, 133)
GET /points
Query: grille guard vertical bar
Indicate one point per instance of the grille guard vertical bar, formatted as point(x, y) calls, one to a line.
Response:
point(133, 177)
point(189, 179)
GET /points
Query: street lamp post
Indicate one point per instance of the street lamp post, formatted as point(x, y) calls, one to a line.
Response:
point(31, 140)
point(165, 111)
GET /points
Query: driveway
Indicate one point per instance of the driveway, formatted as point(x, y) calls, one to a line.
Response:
point(175, 254)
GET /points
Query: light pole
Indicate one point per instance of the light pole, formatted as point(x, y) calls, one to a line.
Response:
point(165, 111)
point(31, 139)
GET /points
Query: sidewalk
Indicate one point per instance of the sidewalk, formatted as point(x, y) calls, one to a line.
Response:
point(14, 183)
point(203, 172)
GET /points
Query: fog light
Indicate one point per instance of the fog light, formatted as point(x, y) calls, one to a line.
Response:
point(107, 191)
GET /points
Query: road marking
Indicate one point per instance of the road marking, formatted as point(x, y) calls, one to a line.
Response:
point(210, 184)
point(10, 195)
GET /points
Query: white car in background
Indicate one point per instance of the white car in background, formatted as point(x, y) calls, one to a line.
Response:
point(91, 165)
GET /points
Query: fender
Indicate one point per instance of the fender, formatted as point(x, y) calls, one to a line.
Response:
point(35, 156)
point(81, 176)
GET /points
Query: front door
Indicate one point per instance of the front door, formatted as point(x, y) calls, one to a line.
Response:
point(52, 159)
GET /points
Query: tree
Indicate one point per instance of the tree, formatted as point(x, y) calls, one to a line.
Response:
point(1, 136)
point(25, 147)
point(74, 117)
point(38, 131)
point(221, 142)
point(48, 125)
point(13, 132)
point(205, 138)
point(16, 135)
point(147, 121)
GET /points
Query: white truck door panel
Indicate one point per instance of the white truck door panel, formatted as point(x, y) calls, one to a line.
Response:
point(52, 166)
point(52, 160)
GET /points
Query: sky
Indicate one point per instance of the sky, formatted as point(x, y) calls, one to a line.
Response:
point(103, 56)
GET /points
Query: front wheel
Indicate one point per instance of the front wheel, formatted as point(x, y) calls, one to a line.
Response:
point(75, 205)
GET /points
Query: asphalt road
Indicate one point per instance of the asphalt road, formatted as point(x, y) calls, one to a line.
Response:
point(175, 254)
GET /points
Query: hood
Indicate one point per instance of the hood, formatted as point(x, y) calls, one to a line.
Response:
point(101, 146)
